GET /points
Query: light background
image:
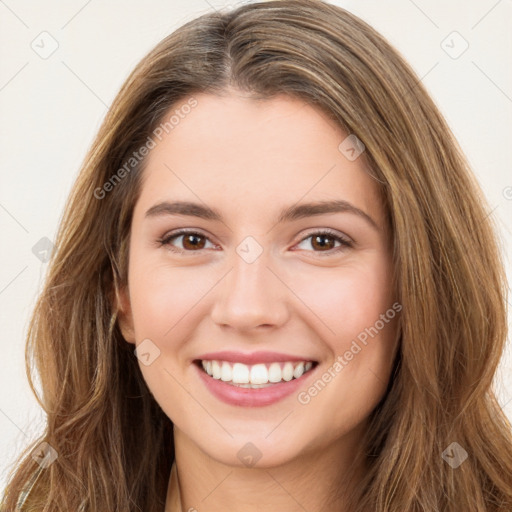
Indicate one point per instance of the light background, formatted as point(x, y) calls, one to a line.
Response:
point(51, 108)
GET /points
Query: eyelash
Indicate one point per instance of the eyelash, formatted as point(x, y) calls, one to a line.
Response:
point(345, 242)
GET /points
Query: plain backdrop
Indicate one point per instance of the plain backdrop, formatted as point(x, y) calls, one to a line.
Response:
point(62, 63)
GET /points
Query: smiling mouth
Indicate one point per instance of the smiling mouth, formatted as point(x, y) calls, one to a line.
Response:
point(261, 375)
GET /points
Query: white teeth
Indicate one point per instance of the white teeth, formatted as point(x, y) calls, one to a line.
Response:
point(299, 370)
point(225, 372)
point(240, 373)
point(287, 371)
point(274, 373)
point(259, 374)
point(256, 376)
point(216, 371)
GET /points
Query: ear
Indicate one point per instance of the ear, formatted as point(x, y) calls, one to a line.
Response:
point(125, 316)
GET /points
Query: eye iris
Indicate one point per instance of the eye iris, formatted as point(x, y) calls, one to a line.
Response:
point(193, 241)
point(195, 245)
point(323, 245)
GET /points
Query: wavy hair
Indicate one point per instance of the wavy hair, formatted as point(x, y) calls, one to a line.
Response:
point(114, 443)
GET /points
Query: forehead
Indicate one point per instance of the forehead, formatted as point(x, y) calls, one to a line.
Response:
point(237, 152)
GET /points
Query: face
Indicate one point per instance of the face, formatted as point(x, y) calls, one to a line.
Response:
point(260, 282)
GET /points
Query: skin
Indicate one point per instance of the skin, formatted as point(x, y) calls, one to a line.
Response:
point(250, 159)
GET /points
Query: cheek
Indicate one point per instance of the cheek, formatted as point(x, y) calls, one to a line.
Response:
point(347, 300)
point(162, 300)
point(161, 295)
point(356, 304)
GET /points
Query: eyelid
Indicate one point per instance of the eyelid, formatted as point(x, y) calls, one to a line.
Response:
point(328, 231)
point(346, 241)
point(165, 239)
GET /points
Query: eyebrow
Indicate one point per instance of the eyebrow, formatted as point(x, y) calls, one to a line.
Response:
point(289, 214)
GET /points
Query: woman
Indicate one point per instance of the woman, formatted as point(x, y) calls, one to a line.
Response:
point(256, 373)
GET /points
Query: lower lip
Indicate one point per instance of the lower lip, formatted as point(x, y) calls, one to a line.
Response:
point(251, 397)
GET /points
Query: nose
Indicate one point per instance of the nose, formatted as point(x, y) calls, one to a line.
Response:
point(251, 296)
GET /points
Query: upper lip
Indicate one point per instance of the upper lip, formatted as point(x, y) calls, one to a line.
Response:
point(252, 358)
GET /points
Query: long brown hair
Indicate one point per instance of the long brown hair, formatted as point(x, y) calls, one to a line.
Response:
point(113, 441)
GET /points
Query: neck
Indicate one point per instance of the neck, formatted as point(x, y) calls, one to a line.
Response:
point(313, 481)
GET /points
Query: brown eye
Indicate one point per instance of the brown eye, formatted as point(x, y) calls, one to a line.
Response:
point(319, 241)
point(324, 242)
point(191, 241)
